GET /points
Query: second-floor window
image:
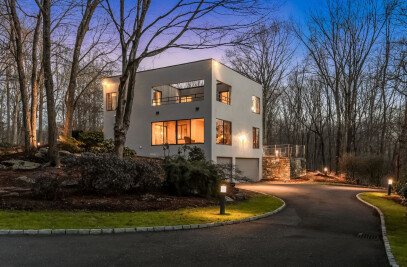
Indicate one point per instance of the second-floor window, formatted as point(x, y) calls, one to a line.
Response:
point(256, 137)
point(111, 101)
point(256, 104)
point(223, 92)
point(157, 95)
point(223, 132)
point(178, 132)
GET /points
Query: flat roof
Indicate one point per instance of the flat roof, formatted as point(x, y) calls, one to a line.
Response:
point(190, 63)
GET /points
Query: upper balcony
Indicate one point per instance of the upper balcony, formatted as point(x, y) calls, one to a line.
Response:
point(177, 93)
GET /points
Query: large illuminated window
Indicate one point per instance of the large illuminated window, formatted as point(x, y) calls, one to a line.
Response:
point(223, 132)
point(256, 137)
point(177, 132)
point(111, 101)
point(256, 104)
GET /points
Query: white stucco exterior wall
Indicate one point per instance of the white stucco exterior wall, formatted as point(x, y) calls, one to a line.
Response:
point(239, 112)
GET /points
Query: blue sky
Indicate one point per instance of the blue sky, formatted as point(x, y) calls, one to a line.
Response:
point(295, 9)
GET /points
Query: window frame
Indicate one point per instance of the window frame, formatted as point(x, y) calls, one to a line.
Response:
point(176, 132)
point(256, 135)
point(223, 127)
point(155, 102)
point(110, 107)
point(257, 99)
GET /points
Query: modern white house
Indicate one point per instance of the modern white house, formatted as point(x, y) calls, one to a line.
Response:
point(202, 103)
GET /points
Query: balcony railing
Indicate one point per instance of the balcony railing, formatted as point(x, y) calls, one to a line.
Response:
point(178, 99)
point(223, 99)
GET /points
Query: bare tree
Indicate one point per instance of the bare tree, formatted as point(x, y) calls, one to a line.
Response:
point(45, 7)
point(80, 36)
point(266, 59)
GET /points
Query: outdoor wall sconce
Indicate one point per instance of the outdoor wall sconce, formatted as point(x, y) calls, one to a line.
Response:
point(390, 182)
point(242, 138)
point(196, 108)
point(157, 113)
point(222, 199)
point(215, 63)
point(105, 83)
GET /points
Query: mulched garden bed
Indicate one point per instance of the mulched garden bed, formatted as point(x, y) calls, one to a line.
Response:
point(396, 198)
point(16, 195)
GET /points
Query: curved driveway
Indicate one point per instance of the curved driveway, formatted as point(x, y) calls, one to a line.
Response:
point(319, 227)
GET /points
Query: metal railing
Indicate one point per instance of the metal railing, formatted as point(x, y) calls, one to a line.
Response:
point(284, 150)
point(223, 99)
point(178, 99)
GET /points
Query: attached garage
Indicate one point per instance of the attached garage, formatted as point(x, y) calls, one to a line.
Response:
point(249, 167)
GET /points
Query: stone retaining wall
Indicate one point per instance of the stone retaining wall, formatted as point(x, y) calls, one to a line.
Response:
point(283, 168)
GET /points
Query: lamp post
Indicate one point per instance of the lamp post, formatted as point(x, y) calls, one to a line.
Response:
point(222, 199)
point(390, 182)
point(326, 171)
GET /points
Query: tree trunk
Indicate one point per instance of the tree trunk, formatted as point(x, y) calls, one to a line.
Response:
point(70, 100)
point(15, 120)
point(49, 86)
point(34, 83)
point(21, 74)
point(8, 73)
point(123, 111)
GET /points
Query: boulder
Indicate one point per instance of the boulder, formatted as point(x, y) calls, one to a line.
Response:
point(70, 183)
point(43, 150)
point(3, 167)
point(64, 153)
point(12, 194)
point(21, 164)
point(240, 196)
point(40, 155)
point(228, 199)
point(25, 179)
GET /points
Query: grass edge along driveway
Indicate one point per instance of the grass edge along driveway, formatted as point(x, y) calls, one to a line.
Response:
point(396, 224)
point(35, 220)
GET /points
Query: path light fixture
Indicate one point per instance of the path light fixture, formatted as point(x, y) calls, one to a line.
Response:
point(222, 201)
point(326, 171)
point(390, 182)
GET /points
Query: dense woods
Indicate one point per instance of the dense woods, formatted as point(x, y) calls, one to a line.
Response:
point(334, 81)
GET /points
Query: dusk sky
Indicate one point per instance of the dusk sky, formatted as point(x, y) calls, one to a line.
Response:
point(295, 9)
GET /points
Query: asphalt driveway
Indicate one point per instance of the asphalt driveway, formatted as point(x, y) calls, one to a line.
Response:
point(319, 227)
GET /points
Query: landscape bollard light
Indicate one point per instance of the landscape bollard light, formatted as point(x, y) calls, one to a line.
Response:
point(326, 171)
point(390, 183)
point(222, 199)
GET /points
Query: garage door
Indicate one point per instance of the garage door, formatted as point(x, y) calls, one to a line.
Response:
point(248, 167)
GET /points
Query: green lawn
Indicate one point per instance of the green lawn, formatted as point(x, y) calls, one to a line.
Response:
point(257, 205)
point(396, 224)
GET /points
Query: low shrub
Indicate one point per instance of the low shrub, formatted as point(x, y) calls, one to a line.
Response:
point(107, 147)
point(400, 186)
point(90, 139)
point(108, 174)
point(366, 169)
point(46, 187)
point(71, 144)
point(196, 154)
point(5, 144)
point(185, 177)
